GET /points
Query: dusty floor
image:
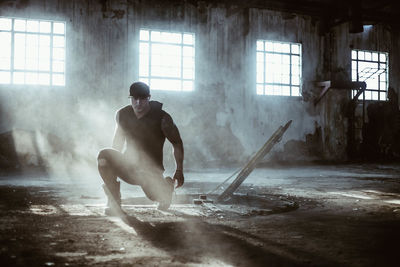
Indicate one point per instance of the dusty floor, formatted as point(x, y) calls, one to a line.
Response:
point(345, 215)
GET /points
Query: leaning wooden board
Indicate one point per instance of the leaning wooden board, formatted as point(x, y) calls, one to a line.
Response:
point(245, 172)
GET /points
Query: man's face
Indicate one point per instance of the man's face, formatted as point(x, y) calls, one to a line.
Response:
point(140, 104)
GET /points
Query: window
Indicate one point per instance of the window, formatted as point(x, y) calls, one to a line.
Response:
point(166, 60)
point(278, 68)
point(32, 52)
point(370, 67)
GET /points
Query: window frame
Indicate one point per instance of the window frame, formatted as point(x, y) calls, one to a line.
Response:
point(148, 79)
point(265, 52)
point(37, 33)
point(379, 82)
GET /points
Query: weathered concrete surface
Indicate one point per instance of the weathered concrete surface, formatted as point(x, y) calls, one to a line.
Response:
point(346, 215)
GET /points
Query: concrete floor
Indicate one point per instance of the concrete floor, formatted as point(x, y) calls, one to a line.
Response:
point(347, 215)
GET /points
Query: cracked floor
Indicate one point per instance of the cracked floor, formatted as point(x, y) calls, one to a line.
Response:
point(347, 215)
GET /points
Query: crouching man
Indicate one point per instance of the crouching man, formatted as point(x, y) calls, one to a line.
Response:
point(143, 125)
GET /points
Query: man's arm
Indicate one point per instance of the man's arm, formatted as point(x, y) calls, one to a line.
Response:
point(119, 137)
point(171, 132)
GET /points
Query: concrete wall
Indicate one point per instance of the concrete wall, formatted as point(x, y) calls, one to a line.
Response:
point(223, 121)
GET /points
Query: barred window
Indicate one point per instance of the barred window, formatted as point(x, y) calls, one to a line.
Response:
point(278, 68)
point(32, 52)
point(370, 67)
point(166, 60)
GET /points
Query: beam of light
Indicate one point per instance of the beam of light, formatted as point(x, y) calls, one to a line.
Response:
point(121, 224)
point(393, 201)
point(43, 209)
point(77, 210)
point(352, 195)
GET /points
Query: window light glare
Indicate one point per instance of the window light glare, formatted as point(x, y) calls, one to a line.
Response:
point(19, 62)
point(5, 63)
point(295, 49)
point(45, 26)
point(19, 25)
point(187, 86)
point(5, 24)
point(144, 65)
point(372, 70)
point(188, 39)
point(144, 48)
point(277, 47)
point(44, 79)
point(59, 27)
point(286, 48)
point(58, 41)
point(277, 90)
point(19, 78)
point(269, 46)
point(375, 57)
point(286, 90)
point(260, 45)
point(5, 45)
point(260, 77)
point(188, 62)
point(32, 26)
point(4, 77)
point(144, 35)
point(58, 66)
point(295, 91)
point(31, 45)
point(169, 37)
point(286, 59)
point(44, 65)
point(58, 54)
point(44, 41)
point(295, 60)
point(166, 84)
point(31, 77)
point(286, 79)
point(166, 60)
point(155, 36)
point(260, 57)
point(188, 74)
point(188, 51)
point(280, 70)
point(144, 80)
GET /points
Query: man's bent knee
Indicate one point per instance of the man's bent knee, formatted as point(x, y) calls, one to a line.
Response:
point(102, 157)
point(102, 162)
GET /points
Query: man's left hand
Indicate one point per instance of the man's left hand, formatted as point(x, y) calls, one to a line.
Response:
point(178, 176)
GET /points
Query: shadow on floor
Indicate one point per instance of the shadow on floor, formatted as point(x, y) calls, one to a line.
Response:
point(193, 241)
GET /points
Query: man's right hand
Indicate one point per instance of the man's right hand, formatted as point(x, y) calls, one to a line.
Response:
point(178, 176)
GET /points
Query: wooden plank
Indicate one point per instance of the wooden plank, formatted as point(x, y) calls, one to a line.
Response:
point(245, 172)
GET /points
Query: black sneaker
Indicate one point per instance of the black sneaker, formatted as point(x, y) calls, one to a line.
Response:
point(164, 205)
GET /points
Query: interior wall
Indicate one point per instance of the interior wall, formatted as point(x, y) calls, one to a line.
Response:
point(222, 121)
point(333, 107)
